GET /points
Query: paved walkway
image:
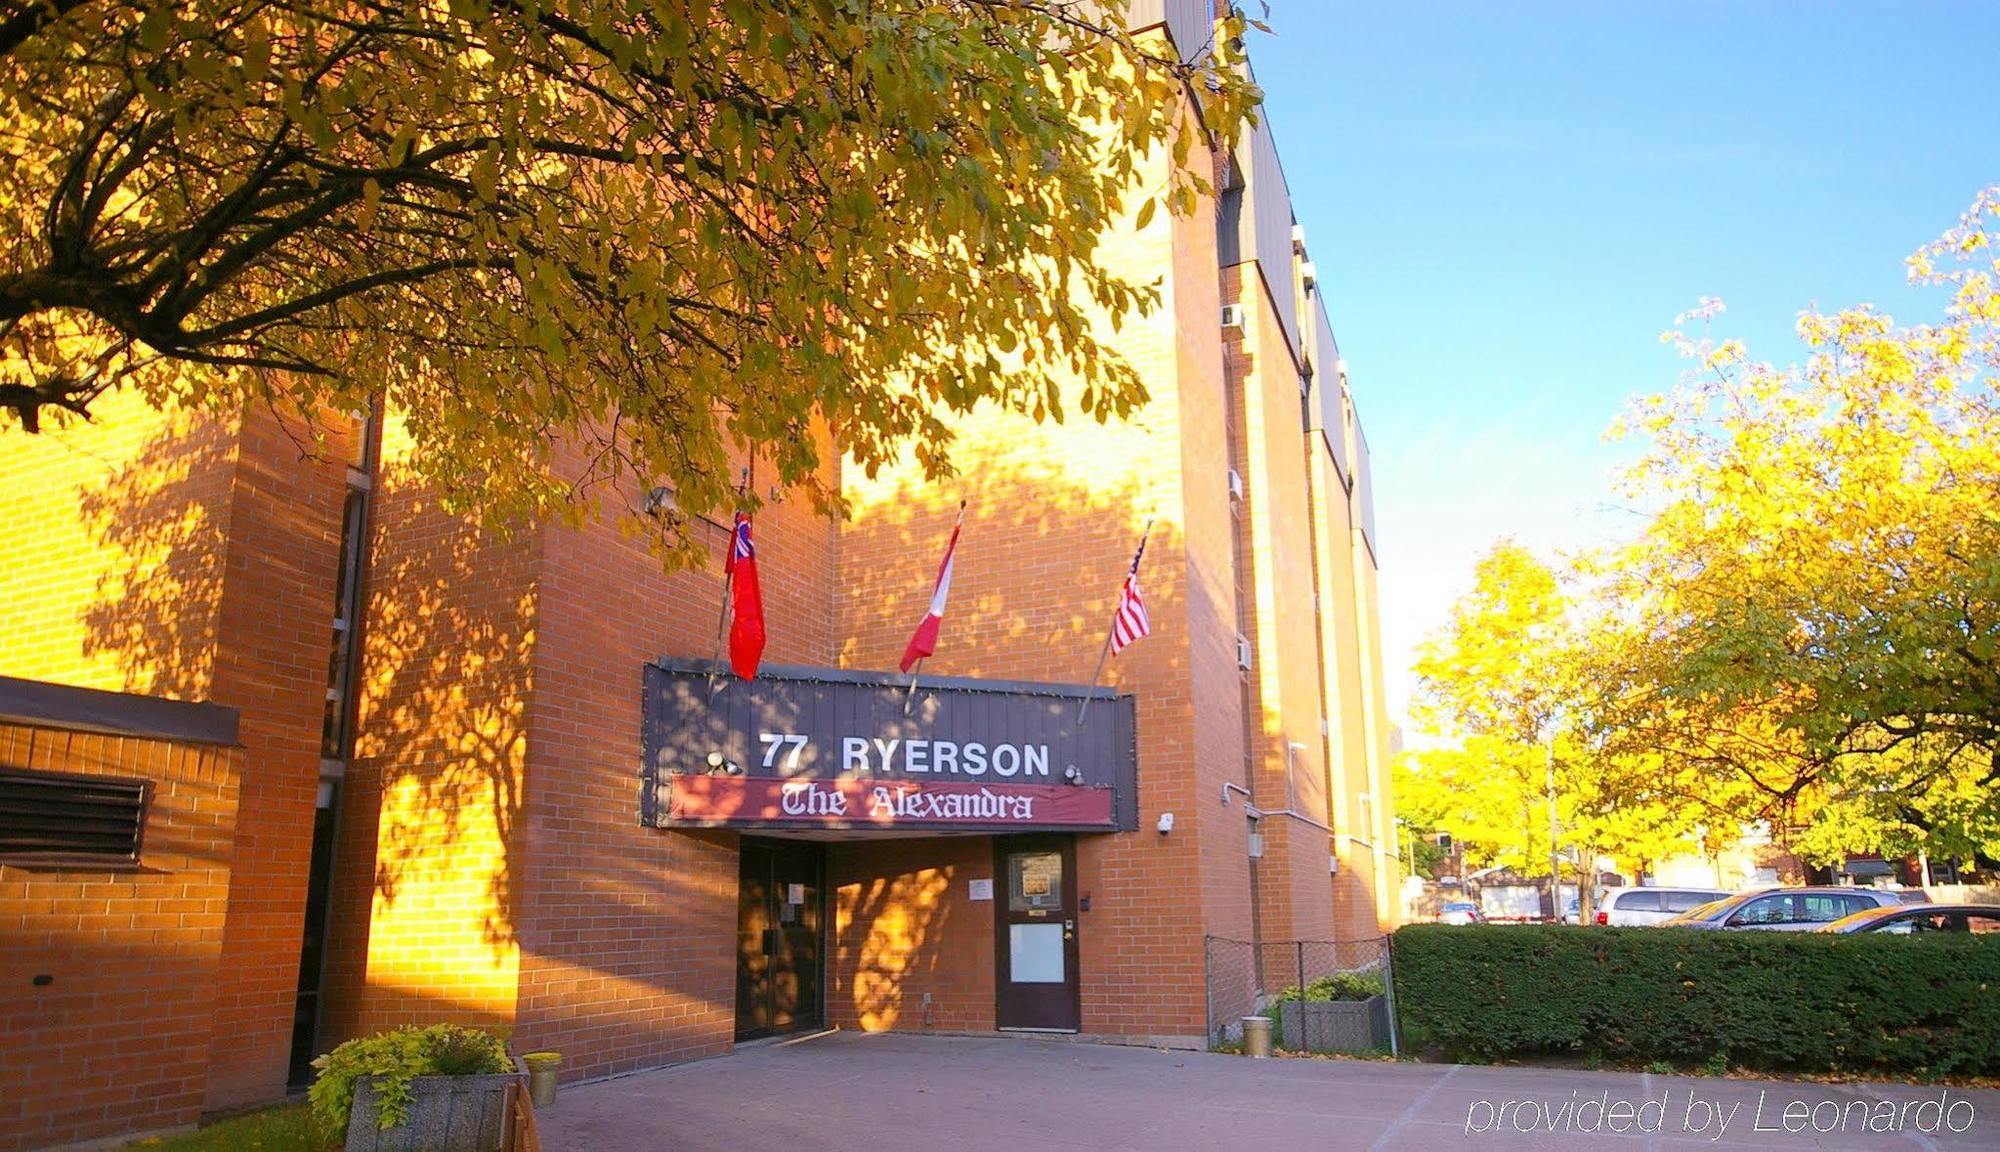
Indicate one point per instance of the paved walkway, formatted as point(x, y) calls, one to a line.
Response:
point(883, 1093)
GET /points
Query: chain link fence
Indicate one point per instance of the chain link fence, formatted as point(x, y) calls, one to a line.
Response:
point(1245, 976)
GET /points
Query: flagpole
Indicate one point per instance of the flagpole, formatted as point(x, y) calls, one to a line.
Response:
point(1104, 653)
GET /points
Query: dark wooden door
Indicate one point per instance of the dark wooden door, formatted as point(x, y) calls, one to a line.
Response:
point(779, 929)
point(1035, 973)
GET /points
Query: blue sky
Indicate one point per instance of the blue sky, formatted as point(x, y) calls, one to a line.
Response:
point(1507, 202)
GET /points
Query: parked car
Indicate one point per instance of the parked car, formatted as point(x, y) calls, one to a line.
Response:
point(1791, 909)
point(1460, 912)
point(1921, 919)
point(1634, 907)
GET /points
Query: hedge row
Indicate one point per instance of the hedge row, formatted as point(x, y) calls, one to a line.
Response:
point(1791, 1001)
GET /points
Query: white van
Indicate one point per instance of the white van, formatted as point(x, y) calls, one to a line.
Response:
point(1633, 907)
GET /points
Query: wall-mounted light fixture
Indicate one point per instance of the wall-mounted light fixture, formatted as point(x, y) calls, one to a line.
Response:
point(1166, 823)
point(1073, 774)
point(720, 765)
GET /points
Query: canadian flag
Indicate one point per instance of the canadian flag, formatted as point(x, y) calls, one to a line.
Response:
point(924, 641)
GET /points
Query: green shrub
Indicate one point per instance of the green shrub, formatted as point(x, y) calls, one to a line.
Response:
point(1796, 1001)
point(396, 1058)
point(1339, 986)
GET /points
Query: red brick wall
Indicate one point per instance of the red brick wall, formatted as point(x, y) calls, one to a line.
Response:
point(273, 638)
point(1054, 513)
point(1275, 552)
point(627, 933)
point(423, 925)
point(903, 927)
point(119, 1042)
point(192, 558)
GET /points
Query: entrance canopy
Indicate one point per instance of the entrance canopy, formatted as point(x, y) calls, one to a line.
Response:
point(819, 748)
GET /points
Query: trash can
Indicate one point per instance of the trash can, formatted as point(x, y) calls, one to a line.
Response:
point(542, 1068)
point(1256, 1036)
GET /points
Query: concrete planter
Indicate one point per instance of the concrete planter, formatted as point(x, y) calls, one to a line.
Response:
point(1334, 1025)
point(447, 1114)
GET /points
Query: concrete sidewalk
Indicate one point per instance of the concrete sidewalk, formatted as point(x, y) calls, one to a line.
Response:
point(887, 1092)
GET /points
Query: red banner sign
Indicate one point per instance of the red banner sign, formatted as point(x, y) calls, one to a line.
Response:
point(763, 800)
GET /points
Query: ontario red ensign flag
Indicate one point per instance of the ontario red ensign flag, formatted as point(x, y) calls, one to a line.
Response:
point(923, 642)
point(746, 626)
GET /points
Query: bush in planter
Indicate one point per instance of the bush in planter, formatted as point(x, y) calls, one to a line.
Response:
point(1337, 1013)
point(395, 1058)
point(1339, 986)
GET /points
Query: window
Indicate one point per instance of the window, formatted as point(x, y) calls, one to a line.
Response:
point(1826, 907)
point(56, 817)
point(1639, 902)
point(1764, 910)
point(1686, 901)
point(1034, 881)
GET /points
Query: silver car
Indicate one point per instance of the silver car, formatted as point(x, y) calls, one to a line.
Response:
point(1633, 907)
point(1793, 909)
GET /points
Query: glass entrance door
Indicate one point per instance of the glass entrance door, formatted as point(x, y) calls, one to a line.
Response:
point(1035, 974)
point(778, 937)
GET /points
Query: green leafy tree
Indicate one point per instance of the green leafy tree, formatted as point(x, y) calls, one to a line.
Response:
point(1509, 694)
point(654, 230)
point(1816, 596)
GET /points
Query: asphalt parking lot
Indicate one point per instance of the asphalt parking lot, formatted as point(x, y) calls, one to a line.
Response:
point(967, 1094)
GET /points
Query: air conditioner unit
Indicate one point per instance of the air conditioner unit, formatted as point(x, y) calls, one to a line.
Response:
point(1309, 275)
point(1235, 484)
point(1243, 653)
point(1299, 238)
point(1232, 315)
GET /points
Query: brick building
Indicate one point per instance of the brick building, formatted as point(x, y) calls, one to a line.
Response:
point(357, 764)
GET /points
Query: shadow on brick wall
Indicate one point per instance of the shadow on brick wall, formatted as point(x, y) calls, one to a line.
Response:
point(162, 522)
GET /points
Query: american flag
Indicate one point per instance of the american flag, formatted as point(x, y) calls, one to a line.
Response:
point(1129, 622)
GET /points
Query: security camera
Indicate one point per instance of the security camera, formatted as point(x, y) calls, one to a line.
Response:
point(1166, 823)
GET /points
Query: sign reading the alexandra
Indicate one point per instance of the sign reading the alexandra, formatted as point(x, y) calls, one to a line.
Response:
point(724, 800)
point(825, 748)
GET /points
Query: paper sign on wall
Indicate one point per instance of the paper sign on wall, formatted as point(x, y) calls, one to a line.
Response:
point(980, 890)
point(795, 893)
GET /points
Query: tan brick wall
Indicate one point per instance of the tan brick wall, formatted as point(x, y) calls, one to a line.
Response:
point(1276, 554)
point(1356, 905)
point(119, 1041)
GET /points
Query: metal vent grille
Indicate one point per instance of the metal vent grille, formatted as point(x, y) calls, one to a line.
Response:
point(48, 814)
